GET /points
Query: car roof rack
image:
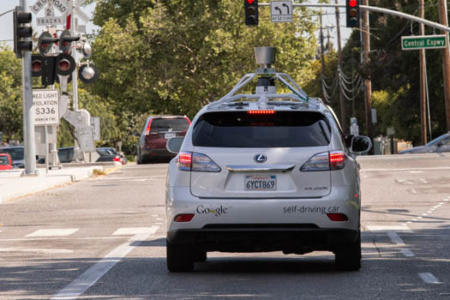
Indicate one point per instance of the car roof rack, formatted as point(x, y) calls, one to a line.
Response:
point(265, 56)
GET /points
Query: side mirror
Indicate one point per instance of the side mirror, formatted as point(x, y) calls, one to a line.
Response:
point(360, 145)
point(174, 144)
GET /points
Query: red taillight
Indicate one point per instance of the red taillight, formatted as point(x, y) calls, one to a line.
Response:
point(185, 161)
point(149, 125)
point(183, 217)
point(117, 158)
point(337, 217)
point(261, 112)
point(337, 160)
point(187, 119)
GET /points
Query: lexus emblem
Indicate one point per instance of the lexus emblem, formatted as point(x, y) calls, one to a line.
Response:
point(260, 158)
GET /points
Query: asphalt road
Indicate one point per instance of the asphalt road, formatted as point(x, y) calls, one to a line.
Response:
point(103, 238)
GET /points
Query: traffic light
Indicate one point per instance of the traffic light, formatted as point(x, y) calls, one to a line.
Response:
point(251, 12)
point(43, 66)
point(65, 64)
point(22, 30)
point(353, 13)
point(65, 41)
point(46, 40)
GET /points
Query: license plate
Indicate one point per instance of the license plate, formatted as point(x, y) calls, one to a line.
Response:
point(169, 135)
point(261, 183)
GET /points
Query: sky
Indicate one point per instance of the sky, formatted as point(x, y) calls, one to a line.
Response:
point(6, 21)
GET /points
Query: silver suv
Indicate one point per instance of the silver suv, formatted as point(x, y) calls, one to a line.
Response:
point(264, 172)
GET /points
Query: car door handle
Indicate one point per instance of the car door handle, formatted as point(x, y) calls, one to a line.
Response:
point(265, 169)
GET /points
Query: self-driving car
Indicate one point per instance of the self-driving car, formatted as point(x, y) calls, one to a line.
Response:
point(265, 171)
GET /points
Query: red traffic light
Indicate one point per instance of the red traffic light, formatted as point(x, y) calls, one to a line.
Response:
point(352, 3)
point(250, 1)
point(65, 64)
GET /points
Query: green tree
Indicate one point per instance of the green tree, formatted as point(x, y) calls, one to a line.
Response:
point(10, 95)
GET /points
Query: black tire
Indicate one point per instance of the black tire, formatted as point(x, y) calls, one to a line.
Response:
point(348, 257)
point(180, 258)
point(200, 256)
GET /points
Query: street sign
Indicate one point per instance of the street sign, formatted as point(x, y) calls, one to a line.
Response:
point(424, 42)
point(45, 107)
point(49, 21)
point(281, 11)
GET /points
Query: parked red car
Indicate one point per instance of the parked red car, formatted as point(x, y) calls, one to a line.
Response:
point(5, 161)
point(154, 136)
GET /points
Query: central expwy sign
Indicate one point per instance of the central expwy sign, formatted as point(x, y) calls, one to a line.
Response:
point(424, 42)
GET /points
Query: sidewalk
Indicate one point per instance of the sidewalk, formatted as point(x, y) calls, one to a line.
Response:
point(13, 185)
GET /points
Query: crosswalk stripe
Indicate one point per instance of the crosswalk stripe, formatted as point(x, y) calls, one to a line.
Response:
point(52, 232)
point(94, 273)
point(133, 230)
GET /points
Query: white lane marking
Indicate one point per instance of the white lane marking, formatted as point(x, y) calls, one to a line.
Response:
point(406, 252)
point(427, 277)
point(46, 251)
point(413, 191)
point(52, 232)
point(395, 238)
point(155, 215)
point(416, 172)
point(94, 273)
point(132, 230)
point(401, 227)
point(402, 170)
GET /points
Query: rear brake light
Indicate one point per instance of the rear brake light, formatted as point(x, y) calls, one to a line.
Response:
point(261, 112)
point(337, 217)
point(196, 162)
point(337, 160)
point(149, 125)
point(325, 161)
point(185, 161)
point(183, 217)
point(117, 158)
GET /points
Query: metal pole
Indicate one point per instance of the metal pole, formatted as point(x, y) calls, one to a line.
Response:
point(376, 9)
point(445, 61)
point(368, 80)
point(75, 106)
point(423, 99)
point(28, 122)
point(46, 149)
point(341, 95)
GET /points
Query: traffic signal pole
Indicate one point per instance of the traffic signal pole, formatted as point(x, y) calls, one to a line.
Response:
point(445, 61)
point(28, 122)
point(341, 95)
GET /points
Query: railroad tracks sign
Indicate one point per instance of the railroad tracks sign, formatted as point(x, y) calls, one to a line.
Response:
point(45, 107)
point(438, 41)
point(281, 11)
point(49, 8)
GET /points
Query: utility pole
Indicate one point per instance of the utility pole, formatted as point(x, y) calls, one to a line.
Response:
point(366, 62)
point(322, 56)
point(341, 95)
point(423, 95)
point(28, 121)
point(445, 61)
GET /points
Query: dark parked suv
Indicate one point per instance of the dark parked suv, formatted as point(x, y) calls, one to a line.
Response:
point(154, 136)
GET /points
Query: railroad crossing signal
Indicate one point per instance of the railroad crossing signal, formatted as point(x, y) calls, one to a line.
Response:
point(22, 31)
point(353, 13)
point(251, 12)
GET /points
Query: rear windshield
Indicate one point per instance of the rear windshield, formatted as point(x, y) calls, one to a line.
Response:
point(175, 124)
point(16, 153)
point(281, 129)
point(4, 160)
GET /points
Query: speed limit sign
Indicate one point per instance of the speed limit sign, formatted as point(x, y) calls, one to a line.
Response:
point(45, 107)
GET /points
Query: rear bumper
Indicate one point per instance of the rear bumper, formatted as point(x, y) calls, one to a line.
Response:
point(289, 238)
point(149, 153)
